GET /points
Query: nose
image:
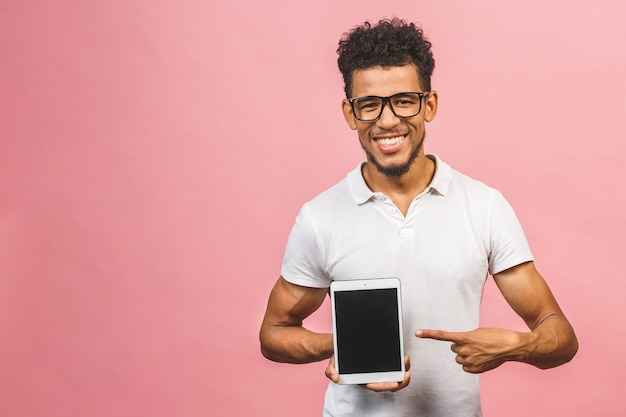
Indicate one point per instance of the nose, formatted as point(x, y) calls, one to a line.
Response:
point(387, 119)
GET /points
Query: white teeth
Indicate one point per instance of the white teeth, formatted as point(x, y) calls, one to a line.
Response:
point(390, 141)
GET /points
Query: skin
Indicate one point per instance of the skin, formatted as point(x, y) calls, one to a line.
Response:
point(550, 340)
point(383, 82)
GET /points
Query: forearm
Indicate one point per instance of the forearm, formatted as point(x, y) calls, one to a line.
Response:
point(295, 344)
point(551, 343)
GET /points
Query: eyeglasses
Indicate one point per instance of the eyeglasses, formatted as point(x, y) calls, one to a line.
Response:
point(403, 105)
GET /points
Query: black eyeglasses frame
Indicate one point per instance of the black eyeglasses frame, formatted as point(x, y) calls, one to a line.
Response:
point(385, 100)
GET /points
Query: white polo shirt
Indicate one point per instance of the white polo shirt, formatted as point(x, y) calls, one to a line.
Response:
point(455, 232)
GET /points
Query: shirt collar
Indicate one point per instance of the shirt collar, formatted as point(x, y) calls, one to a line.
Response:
point(439, 184)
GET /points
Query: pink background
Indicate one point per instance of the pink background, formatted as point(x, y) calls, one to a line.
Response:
point(153, 156)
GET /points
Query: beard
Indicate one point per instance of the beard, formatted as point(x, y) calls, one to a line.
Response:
point(397, 170)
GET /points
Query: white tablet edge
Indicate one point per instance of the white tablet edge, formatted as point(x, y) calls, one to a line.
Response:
point(368, 284)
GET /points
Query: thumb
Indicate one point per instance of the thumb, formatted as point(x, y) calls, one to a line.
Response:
point(331, 371)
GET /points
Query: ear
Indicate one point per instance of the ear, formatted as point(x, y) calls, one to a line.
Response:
point(430, 105)
point(347, 114)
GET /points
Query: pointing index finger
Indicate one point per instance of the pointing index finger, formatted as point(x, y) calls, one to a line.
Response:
point(438, 335)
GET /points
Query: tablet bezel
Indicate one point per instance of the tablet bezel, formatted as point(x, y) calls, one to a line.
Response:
point(367, 284)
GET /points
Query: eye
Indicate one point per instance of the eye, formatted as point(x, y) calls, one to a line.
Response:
point(404, 101)
point(367, 104)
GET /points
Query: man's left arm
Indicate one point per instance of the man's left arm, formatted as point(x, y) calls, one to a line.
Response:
point(549, 343)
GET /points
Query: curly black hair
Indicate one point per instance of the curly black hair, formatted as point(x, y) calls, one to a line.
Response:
point(390, 42)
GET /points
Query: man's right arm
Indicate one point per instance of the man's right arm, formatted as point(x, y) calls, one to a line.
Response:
point(283, 339)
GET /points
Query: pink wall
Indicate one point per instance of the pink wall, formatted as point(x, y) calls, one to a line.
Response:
point(153, 156)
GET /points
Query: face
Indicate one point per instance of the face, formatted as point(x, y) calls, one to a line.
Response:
point(391, 144)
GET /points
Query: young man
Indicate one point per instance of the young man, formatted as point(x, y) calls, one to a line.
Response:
point(406, 214)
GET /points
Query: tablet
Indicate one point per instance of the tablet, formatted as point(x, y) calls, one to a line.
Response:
point(367, 330)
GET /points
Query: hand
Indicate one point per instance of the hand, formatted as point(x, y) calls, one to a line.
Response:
point(332, 374)
point(478, 350)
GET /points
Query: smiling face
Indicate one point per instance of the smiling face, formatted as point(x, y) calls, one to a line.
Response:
point(392, 144)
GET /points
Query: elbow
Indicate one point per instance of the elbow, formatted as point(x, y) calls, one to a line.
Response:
point(266, 350)
point(273, 355)
point(566, 354)
point(573, 349)
point(267, 353)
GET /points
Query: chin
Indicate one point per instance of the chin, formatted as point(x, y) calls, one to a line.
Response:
point(397, 170)
point(393, 171)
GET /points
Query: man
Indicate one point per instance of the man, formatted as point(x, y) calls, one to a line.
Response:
point(406, 214)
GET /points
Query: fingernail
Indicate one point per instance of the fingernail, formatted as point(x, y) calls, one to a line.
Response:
point(418, 333)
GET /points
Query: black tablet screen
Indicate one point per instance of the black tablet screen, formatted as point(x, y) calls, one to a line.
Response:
point(368, 335)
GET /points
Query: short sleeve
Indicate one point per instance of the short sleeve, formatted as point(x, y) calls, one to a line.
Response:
point(303, 260)
point(508, 244)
